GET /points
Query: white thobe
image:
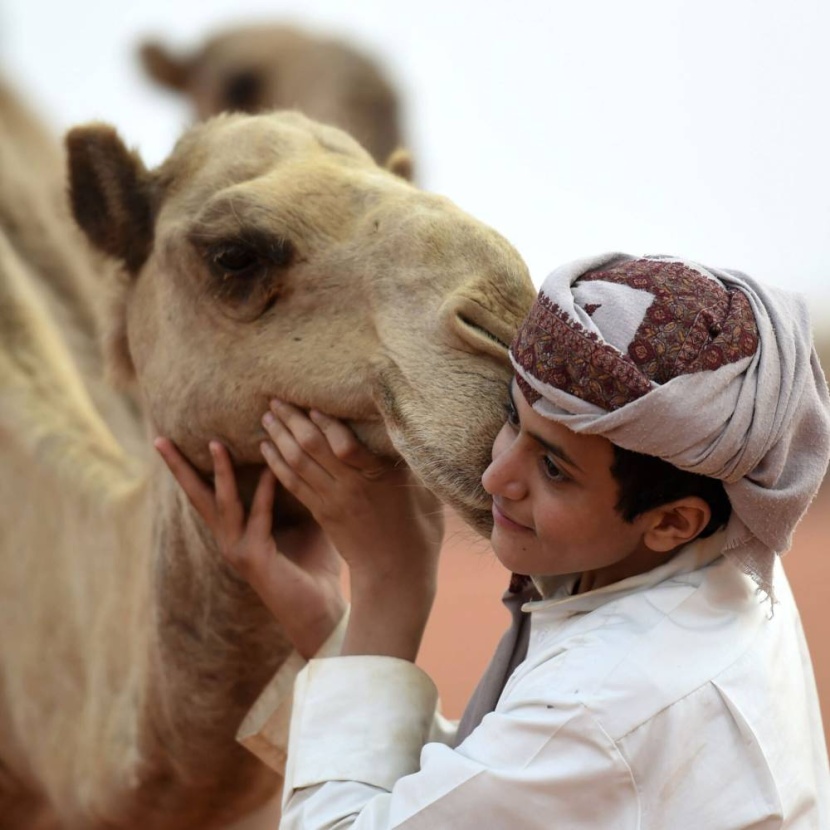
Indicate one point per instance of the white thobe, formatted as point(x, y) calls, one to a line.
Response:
point(675, 699)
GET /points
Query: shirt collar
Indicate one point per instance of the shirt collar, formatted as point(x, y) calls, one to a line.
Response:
point(558, 590)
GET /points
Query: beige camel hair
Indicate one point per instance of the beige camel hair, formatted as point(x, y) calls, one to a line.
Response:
point(35, 220)
point(268, 256)
point(256, 68)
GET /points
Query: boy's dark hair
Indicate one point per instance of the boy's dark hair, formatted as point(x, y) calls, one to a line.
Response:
point(646, 482)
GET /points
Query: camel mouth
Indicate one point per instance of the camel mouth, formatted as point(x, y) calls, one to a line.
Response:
point(477, 519)
point(474, 507)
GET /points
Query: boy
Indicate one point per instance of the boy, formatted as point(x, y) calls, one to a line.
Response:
point(667, 428)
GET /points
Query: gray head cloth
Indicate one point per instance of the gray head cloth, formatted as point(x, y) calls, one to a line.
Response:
point(704, 368)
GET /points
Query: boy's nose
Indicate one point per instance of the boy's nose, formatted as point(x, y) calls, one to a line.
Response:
point(502, 477)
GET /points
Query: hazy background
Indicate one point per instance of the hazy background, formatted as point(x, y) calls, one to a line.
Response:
point(694, 127)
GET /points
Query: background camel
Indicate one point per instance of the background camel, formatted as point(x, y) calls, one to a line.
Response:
point(267, 256)
point(256, 68)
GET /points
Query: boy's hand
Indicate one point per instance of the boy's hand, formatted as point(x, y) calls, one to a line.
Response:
point(383, 522)
point(300, 585)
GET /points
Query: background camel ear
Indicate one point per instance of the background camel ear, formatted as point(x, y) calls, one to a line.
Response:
point(163, 66)
point(400, 163)
point(110, 193)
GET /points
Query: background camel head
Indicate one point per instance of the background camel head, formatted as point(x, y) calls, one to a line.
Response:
point(257, 68)
point(269, 256)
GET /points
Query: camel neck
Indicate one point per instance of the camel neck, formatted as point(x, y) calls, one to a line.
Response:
point(214, 649)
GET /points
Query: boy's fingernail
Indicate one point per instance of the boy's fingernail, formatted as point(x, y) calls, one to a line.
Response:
point(276, 403)
point(268, 419)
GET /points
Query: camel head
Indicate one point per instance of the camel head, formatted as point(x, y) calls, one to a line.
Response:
point(269, 256)
point(253, 69)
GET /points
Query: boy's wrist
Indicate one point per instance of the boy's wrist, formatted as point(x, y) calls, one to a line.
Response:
point(310, 636)
point(388, 619)
point(407, 598)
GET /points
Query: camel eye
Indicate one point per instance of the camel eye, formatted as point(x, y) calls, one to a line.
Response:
point(247, 273)
point(236, 260)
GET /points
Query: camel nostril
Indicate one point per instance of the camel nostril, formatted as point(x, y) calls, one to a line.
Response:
point(481, 331)
point(476, 329)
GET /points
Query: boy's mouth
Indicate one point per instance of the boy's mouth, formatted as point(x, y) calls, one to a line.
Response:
point(503, 520)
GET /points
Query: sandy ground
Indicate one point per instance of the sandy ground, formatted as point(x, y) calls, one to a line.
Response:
point(469, 619)
point(808, 567)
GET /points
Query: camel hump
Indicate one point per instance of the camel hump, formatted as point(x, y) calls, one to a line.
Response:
point(110, 194)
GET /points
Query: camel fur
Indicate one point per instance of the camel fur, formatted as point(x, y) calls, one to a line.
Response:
point(257, 68)
point(268, 256)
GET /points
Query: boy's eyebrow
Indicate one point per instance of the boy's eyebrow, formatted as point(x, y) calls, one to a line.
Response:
point(554, 449)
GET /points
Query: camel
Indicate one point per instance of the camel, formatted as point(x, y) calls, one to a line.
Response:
point(267, 256)
point(256, 68)
point(38, 234)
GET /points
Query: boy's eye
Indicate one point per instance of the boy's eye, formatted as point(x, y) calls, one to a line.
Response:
point(551, 470)
point(511, 414)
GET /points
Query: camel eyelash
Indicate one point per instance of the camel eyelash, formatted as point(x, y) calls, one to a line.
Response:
point(237, 253)
point(244, 277)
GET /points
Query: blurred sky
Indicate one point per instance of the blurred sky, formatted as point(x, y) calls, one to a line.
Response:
point(695, 127)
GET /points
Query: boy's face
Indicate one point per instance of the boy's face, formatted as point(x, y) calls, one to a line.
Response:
point(554, 503)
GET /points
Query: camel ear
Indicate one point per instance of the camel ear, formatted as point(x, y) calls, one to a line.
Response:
point(400, 163)
point(110, 192)
point(163, 66)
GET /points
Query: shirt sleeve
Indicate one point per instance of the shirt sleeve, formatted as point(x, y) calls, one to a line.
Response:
point(264, 731)
point(358, 757)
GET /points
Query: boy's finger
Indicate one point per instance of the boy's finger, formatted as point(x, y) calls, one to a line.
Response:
point(261, 517)
point(345, 445)
point(230, 512)
point(287, 476)
point(197, 491)
point(305, 432)
point(304, 448)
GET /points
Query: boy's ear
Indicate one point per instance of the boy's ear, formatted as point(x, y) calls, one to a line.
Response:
point(676, 523)
point(110, 193)
point(165, 68)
